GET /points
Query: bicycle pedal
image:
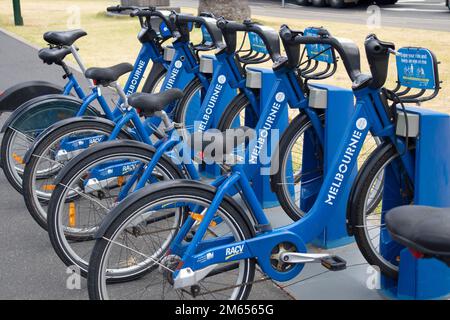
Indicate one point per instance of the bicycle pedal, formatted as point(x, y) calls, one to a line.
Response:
point(334, 263)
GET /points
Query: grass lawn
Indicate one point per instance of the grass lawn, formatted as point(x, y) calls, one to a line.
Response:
point(112, 40)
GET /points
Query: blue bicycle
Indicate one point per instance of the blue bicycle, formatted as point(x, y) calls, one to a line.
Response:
point(34, 116)
point(186, 240)
point(105, 174)
point(65, 139)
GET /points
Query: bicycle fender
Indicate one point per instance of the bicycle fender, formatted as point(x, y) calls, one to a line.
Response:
point(111, 144)
point(164, 185)
point(64, 123)
point(20, 93)
point(157, 68)
point(40, 103)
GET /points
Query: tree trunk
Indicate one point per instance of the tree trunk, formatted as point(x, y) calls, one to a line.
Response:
point(145, 3)
point(237, 10)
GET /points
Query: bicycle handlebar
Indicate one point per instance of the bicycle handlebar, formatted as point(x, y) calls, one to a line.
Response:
point(232, 26)
point(181, 21)
point(349, 52)
point(377, 53)
point(120, 8)
point(267, 35)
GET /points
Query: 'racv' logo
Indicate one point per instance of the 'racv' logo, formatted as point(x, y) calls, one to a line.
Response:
point(234, 251)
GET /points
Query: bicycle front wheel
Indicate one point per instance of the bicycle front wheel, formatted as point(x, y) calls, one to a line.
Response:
point(238, 113)
point(186, 111)
point(300, 165)
point(159, 209)
point(367, 220)
point(87, 191)
point(50, 156)
point(24, 127)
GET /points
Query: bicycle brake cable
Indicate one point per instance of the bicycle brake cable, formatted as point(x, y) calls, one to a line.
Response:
point(397, 100)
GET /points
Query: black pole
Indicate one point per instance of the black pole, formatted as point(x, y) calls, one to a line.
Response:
point(18, 20)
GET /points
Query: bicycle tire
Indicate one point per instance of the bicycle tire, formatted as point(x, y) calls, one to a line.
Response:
point(32, 201)
point(126, 209)
point(381, 157)
point(59, 240)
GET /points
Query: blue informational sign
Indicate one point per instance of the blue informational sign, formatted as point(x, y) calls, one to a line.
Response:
point(416, 68)
point(256, 43)
point(207, 39)
point(319, 52)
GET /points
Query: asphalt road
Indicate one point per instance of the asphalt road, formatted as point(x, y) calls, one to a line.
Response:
point(418, 14)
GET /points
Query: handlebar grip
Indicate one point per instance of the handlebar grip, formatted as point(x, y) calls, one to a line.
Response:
point(286, 33)
point(114, 9)
point(315, 40)
point(224, 24)
point(120, 8)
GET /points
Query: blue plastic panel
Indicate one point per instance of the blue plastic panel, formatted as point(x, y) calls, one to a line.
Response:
point(318, 52)
point(416, 68)
point(425, 278)
point(207, 39)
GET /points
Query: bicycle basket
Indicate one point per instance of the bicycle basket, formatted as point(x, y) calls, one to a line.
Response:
point(257, 53)
point(417, 75)
point(318, 61)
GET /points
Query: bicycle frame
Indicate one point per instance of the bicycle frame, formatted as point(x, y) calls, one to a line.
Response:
point(178, 77)
point(226, 70)
point(370, 114)
point(73, 84)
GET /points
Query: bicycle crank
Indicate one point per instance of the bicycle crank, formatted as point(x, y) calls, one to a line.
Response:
point(332, 263)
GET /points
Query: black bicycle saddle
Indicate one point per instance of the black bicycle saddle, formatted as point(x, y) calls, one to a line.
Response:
point(53, 55)
point(150, 103)
point(108, 75)
point(423, 229)
point(64, 38)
